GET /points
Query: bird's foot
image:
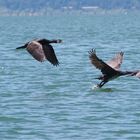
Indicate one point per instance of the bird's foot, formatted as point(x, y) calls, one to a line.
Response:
point(99, 85)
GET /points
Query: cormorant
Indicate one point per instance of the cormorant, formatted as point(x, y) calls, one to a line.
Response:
point(41, 50)
point(110, 70)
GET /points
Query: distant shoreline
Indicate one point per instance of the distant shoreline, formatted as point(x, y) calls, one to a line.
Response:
point(98, 11)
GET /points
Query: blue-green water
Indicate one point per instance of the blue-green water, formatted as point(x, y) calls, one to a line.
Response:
point(42, 102)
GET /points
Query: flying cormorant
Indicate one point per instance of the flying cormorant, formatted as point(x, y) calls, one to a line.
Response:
point(110, 70)
point(41, 50)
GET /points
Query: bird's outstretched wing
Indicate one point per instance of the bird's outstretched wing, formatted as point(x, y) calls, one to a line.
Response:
point(50, 54)
point(138, 74)
point(116, 62)
point(36, 50)
point(100, 64)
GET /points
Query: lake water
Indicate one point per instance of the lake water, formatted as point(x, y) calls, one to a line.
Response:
point(42, 102)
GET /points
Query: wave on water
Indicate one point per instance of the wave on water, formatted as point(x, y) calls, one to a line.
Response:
point(96, 88)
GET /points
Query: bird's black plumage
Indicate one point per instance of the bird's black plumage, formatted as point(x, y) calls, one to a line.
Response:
point(110, 70)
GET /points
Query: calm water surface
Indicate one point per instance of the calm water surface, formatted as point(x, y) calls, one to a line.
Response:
point(42, 102)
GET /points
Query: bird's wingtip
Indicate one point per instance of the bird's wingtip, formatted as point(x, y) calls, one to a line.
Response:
point(122, 53)
point(56, 64)
point(92, 51)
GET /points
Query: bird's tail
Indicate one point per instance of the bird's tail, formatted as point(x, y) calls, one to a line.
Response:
point(22, 47)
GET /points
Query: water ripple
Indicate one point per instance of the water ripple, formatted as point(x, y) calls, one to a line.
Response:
point(39, 101)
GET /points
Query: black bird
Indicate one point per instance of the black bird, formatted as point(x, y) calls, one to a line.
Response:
point(41, 50)
point(110, 70)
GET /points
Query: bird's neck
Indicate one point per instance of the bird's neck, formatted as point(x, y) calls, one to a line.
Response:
point(54, 41)
point(128, 72)
point(45, 41)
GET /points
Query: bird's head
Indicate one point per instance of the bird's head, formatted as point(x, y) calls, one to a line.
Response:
point(58, 41)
